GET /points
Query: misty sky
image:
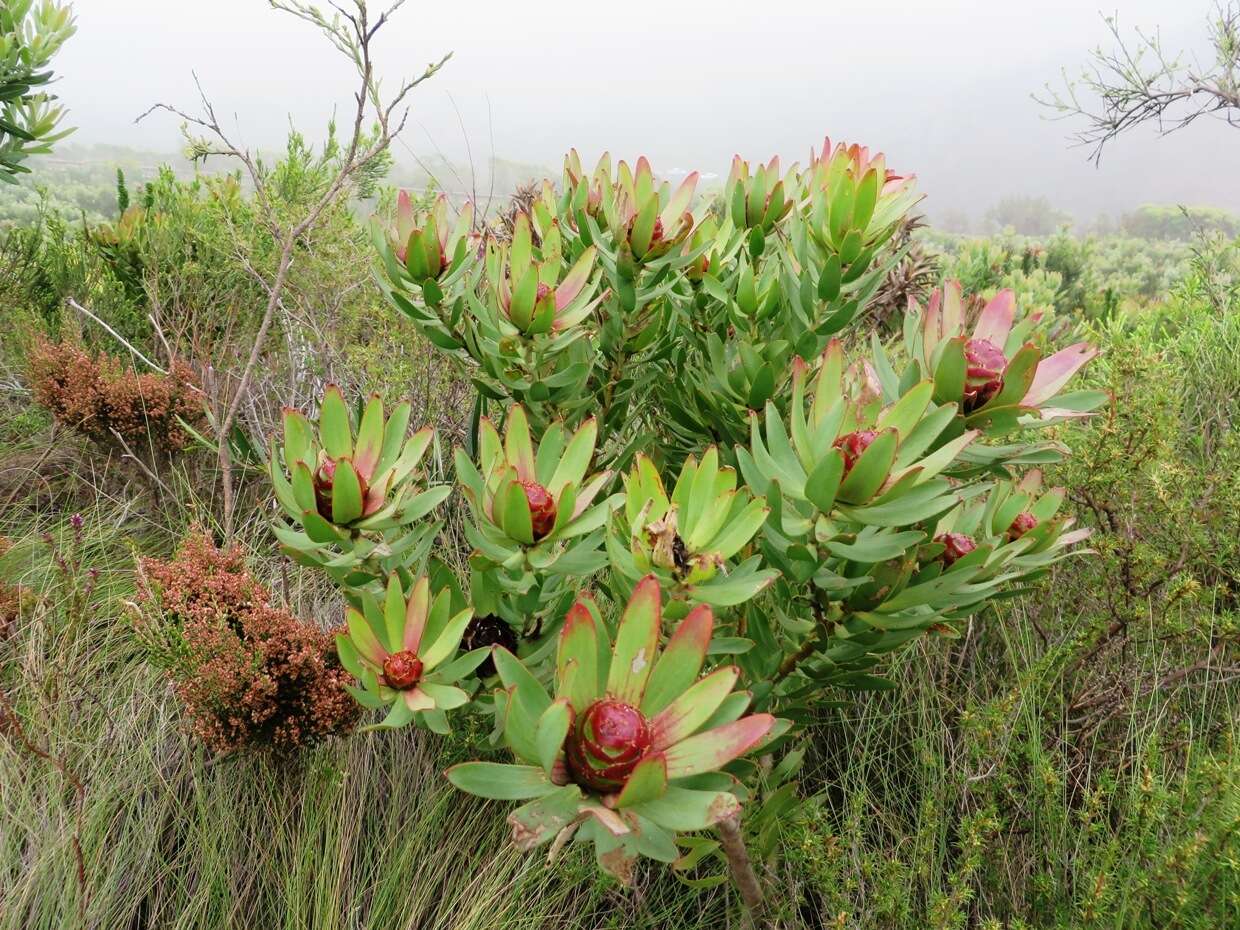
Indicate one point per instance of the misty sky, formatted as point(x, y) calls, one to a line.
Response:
point(941, 85)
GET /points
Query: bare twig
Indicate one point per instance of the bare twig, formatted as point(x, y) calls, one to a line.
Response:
point(352, 33)
point(1138, 83)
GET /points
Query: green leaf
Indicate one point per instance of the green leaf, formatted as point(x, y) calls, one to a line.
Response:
point(518, 447)
point(823, 483)
point(443, 646)
point(686, 809)
point(637, 640)
point(870, 470)
point(553, 727)
point(715, 748)
point(447, 697)
point(394, 436)
point(877, 547)
point(346, 494)
point(500, 781)
point(369, 444)
point(298, 441)
point(527, 689)
point(394, 614)
point(949, 374)
point(335, 432)
point(680, 662)
point(539, 821)
point(691, 709)
point(577, 659)
point(904, 414)
point(645, 783)
point(514, 514)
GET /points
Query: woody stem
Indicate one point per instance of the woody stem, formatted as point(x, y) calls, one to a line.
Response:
point(742, 869)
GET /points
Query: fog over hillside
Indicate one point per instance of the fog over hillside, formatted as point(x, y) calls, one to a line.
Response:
point(943, 89)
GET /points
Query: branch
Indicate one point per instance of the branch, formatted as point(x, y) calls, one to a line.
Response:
point(1139, 83)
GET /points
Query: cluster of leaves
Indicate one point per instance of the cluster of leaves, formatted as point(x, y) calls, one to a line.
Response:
point(101, 399)
point(249, 674)
point(30, 35)
point(825, 508)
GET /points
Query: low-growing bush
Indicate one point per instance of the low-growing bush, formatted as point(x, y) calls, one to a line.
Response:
point(96, 396)
point(249, 674)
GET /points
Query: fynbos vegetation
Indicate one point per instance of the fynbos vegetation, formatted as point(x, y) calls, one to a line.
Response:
point(636, 552)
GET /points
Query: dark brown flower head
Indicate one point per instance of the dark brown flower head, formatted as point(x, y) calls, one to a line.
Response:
point(488, 631)
point(606, 744)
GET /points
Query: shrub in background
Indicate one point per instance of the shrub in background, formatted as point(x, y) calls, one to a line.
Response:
point(98, 397)
point(248, 673)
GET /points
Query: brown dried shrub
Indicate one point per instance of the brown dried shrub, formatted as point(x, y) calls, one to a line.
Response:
point(249, 674)
point(15, 600)
point(96, 395)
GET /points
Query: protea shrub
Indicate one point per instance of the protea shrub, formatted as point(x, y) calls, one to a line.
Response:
point(826, 507)
point(532, 503)
point(994, 372)
point(353, 490)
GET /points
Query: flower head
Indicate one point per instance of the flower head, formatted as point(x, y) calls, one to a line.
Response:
point(650, 218)
point(427, 243)
point(1021, 524)
point(525, 497)
point(535, 295)
point(401, 652)
point(955, 547)
point(615, 752)
point(340, 476)
point(992, 373)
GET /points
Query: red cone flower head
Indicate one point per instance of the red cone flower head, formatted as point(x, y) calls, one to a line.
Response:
point(956, 546)
point(852, 445)
point(1023, 523)
point(984, 375)
point(402, 670)
point(609, 741)
point(542, 508)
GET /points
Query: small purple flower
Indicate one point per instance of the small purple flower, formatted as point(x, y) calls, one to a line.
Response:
point(76, 521)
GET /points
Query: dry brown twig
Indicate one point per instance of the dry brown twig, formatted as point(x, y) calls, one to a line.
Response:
point(1139, 83)
point(352, 32)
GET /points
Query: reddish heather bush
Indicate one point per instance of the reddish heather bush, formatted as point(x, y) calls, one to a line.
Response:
point(249, 674)
point(97, 395)
point(15, 600)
